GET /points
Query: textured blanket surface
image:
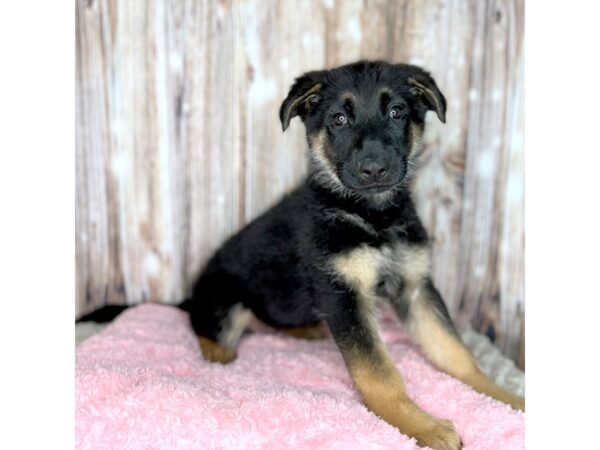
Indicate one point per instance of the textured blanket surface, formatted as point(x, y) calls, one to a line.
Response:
point(142, 383)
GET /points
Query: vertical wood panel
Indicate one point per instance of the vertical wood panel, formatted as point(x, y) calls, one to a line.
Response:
point(179, 145)
point(493, 138)
point(511, 262)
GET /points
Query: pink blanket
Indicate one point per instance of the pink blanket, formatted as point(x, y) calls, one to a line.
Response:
point(142, 383)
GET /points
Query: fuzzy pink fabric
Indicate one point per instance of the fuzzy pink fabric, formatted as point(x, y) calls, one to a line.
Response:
point(142, 383)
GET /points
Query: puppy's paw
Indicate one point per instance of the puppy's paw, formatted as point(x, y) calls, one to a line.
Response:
point(311, 333)
point(441, 436)
point(518, 403)
point(215, 352)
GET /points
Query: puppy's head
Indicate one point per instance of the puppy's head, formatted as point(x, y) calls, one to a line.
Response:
point(364, 122)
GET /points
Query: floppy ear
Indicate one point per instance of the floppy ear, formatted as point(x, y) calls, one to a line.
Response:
point(303, 96)
point(424, 86)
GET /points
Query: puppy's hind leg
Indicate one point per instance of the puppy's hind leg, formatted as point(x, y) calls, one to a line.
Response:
point(218, 315)
point(221, 348)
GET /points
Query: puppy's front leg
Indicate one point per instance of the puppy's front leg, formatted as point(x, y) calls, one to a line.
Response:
point(428, 321)
point(377, 378)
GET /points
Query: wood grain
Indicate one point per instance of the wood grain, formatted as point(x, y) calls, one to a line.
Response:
point(178, 143)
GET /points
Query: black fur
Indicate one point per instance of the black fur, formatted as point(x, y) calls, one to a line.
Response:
point(368, 136)
point(279, 265)
point(105, 314)
point(348, 235)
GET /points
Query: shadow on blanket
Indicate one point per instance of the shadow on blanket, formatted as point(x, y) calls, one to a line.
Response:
point(142, 383)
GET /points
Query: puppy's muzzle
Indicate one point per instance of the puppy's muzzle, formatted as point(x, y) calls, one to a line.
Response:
point(372, 171)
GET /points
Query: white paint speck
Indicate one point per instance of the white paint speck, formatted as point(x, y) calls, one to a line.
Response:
point(175, 62)
point(479, 272)
point(284, 63)
point(514, 190)
point(416, 61)
point(496, 95)
point(221, 13)
point(263, 88)
point(517, 139)
point(485, 165)
point(262, 91)
point(152, 264)
point(306, 40)
point(353, 29)
point(473, 95)
point(118, 125)
point(328, 4)
point(120, 165)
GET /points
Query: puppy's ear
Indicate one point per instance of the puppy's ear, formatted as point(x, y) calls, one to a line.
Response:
point(424, 86)
point(303, 96)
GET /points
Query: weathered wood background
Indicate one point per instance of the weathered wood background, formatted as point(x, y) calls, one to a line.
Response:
point(179, 145)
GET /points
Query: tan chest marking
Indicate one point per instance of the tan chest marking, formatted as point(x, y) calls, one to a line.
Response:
point(360, 268)
point(413, 263)
point(363, 267)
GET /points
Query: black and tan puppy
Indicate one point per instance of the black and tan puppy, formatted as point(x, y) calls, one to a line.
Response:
point(347, 236)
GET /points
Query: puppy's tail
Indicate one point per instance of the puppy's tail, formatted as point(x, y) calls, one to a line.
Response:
point(104, 314)
point(110, 312)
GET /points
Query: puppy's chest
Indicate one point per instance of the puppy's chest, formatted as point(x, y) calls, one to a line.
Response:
point(384, 270)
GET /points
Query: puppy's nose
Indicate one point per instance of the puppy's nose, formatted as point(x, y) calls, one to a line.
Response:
point(372, 170)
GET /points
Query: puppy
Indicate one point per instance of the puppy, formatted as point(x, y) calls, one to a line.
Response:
point(346, 237)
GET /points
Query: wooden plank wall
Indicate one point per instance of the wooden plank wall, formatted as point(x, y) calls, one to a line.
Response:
point(178, 143)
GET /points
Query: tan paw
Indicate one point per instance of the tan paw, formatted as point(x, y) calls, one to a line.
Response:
point(442, 436)
point(514, 401)
point(518, 403)
point(312, 333)
point(215, 352)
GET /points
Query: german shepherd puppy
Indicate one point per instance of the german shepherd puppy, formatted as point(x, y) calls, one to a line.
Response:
point(347, 236)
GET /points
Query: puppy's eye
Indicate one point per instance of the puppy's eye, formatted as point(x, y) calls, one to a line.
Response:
point(340, 119)
point(397, 111)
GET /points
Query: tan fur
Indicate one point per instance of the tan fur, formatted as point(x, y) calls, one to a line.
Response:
point(381, 385)
point(360, 268)
point(385, 90)
point(313, 90)
point(315, 332)
point(449, 354)
point(413, 263)
point(375, 375)
point(481, 383)
point(319, 155)
point(215, 352)
point(416, 137)
point(438, 344)
point(363, 267)
point(384, 393)
point(350, 96)
point(428, 93)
